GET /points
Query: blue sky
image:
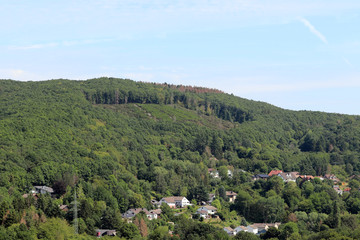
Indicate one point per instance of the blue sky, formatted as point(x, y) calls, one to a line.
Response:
point(300, 55)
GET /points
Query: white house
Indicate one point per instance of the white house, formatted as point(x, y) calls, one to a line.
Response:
point(154, 214)
point(42, 190)
point(337, 189)
point(229, 231)
point(240, 229)
point(289, 176)
point(213, 173)
point(249, 229)
point(203, 213)
point(209, 209)
point(134, 211)
point(175, 202)
point(263, 227)
point(229, 173)
point(252, 229)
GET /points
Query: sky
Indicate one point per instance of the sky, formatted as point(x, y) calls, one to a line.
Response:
point(298, 55)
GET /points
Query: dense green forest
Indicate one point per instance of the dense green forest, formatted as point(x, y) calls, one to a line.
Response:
point(121, 143)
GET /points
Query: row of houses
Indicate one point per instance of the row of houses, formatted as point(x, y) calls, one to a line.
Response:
point(292, 176)
point(215, 173)
point(39, 190)
point(204, 211)
point(256, 228)
point(340, 191)
point(172, 202)
point(152, 214)
point(182, 202)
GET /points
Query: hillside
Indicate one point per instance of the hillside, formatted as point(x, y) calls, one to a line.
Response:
point(124, 143)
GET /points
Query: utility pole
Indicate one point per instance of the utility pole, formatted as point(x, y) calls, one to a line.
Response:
point(76, 224)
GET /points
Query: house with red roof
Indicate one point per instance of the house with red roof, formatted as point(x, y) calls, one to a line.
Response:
point(306, 177)
point(274, 172)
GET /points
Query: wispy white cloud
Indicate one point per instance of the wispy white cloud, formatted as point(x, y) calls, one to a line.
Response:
point(18, 74)
point(65, 43)
point(314, 30)
point(34, 46)
point(347, 61)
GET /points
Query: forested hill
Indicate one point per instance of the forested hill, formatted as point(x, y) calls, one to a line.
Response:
point(125, 142)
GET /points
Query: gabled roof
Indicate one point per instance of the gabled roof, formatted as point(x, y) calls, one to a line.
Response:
point(26, 195)
point(231, 193)
point(308, 177)
point(274, 172)
point(108, 232)
point(263, 225)
point(45, 188)
point(63, 207)
point(203, 212)
point(260, 225)
point(243, 228)
point(289, 175)
point(211, 195)
point(261, 175)
point(137, 210)
point(229, 229)
point(156, 211)
point(331, 177)
point(172, 199)
point(209, 207)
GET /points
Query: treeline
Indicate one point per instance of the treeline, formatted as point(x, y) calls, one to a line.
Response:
point(109, 92)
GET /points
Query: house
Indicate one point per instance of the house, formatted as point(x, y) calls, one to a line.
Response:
point(105, 232)
point(249, 228)
point(32, 194)
point(260, 176)
point(64, 208)
point(331, 177)
point(274, 172)
point(337, 189)
point(42, 190)
point(155, 203)
point(240, 229)
point(229, 173)
point(357, 177)
point(319, 177)
point(209, 209)
point(289, 176)
point(211, 197)
point(229, 231)
point(203, 214)
point(213, 173)
point(156, 211)
point(347, 190)
point(134, 211)
point(175, 202)
point(263, 227)
point(231, 196)
point(154, 214)
point(252, 229)
point(306, 177)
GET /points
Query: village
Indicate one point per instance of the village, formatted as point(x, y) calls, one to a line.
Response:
point(204, 211)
